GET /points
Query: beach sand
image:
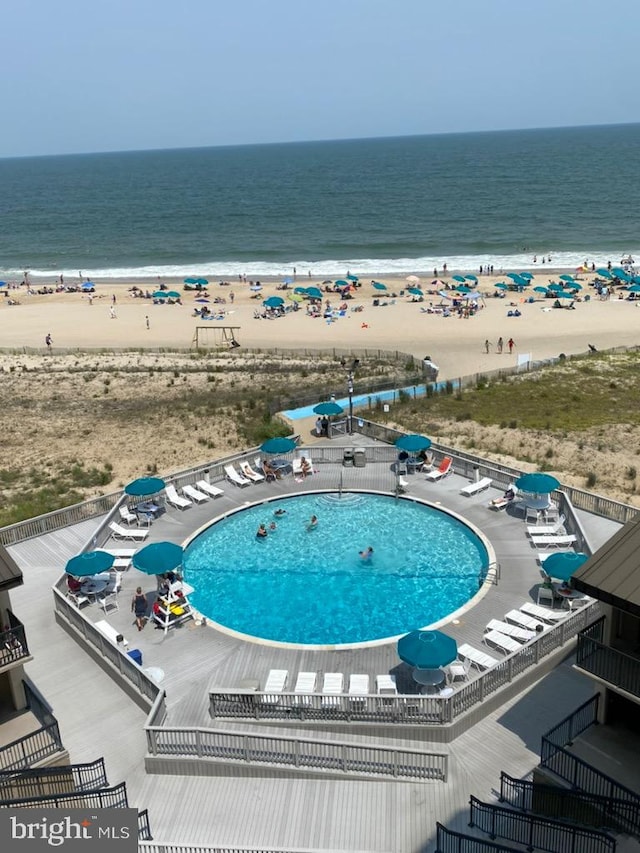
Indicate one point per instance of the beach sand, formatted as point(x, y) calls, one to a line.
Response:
point(456, 345)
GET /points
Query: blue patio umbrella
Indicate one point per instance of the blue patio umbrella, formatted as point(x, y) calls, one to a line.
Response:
point(634, 288)
point(158, 558)
point(501, 285)
point(144, 486)
point(563, 564)
point(604, 273)
point(462, 288)
point(540, 289)
point(300, 290)
point(202, 281)
point(328, 408)
point(565, 277)
point(471, 278)
point(459, 278)
point(89, 563)
point(173, 294)
point(527, 275)
point(341, 282)
point(88, 285)
point(413, 443)
point(353, 277)
point(273, 302)
point(314, 292)
point(379, 285)
point(161, 294)
point(427, 649)
point(537, 483)
point(280, 444)
point(415, 291)
point(191, 280)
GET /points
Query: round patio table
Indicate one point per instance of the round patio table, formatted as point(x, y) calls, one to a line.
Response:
point(94, 586)
point(430, 679)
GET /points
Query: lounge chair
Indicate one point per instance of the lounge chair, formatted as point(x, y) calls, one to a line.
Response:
point(444, 468)
point(235, 478)
point(386, 685)
point(542, 613)
point(195, 494)
point(500, 641)
point(521, 634)
point(247, 471)
point(332, 687)
point(213, 491)
point(274, 685)
point(127, 516)
point(479, 659)
point(305, 685)
point(120, 532)
point(120, 553)
point(517, 617)
point(554, 541)
point(174, 498)
point(458, 669)
point(546, 529)
point(474, 488)
point(358, 687)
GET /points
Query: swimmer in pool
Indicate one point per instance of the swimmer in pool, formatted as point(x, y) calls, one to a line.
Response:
point(261, 532)
point(279, 512)
point(273, 526)
point(313, 522)
point(368, 554)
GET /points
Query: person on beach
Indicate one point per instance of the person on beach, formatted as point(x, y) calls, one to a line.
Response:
point(500, 344)
point(146, 319)
point(511, 343)
point(48, 341)
point(112, 312)
point(487, 346)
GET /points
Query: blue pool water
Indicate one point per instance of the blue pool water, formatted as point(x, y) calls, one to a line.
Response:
point(312, 587)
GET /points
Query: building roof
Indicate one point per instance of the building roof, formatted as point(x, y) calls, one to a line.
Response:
point(10, 574)
point(612, 574)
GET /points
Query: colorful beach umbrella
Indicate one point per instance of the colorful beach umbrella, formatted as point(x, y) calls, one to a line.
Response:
point(537, 483)
point(352, 277)
point(471, 278)
point(313, 293)
point(341, 282)
point(173, 294)
point(413, 443)
point(328, 408)
point(565, 277)
point(459, 278)
point(427, 649)
point(160, 294)
point(278, 445)
point(412, 279)
point(562, 565)
point(540, 289)
point(415, 291)
point(273, 302)
point(604, 273)
point(378, 285)
point(144, 486)
point(89, 563)
point(158, 558)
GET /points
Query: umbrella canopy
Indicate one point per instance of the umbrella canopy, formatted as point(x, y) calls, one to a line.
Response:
point(634, 288)
point(554, 286)
point(379, 285)
point(516, 277)
point(89, 563)
point(459, 278)
point(201, 299)
point(3, 284)
point(301, 290)
point(287, 281)
point(412, 279)
point(144, 486)
point(341, 282)
point(191, 280)
point(88, 285)
point(413, 443)
point(173, 294)
point(540, 289)
point(563, 564)
point(427, 649)
point(565, 277)
point(501, 285)
point(295, 297)
point(273, 302)
point(352, 277)
point(158, 558)
point(328, 408)
point(415, 291)
point(604, 273)
point(527, 275)
point(278, 445)
point(471, 278)
point(537, 483)
point(314, 293)
point(161, 294)
point(202, 281)
point(574, 285)
point(563, 294)
point(462, 288)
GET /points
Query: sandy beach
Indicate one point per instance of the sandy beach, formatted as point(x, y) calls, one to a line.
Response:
point(457, 345)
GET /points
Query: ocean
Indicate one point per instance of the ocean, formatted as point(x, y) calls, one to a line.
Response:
point(392, 205)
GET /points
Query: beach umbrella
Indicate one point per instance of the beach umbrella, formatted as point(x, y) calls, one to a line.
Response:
point(514, 276)
point(158, 558)
point(537, 483)
point(89, 563)
point(173, 294)
point(528, 276)
point(287, 281)
point(574, 285)
point(295, 297)
point(202, 281)
point(554, 286)
point(379, 285)
point(353, 277)
point(161, 294)
point(604, 273)
point(300, 290)
point(462, 288)
point(413, 443)
point(341, 282)
point(565, 277)
point(415, 291)
point(502, 285)
point(280, 444)
point(412, 279)
point(190, 280)
point(144, 486)
point(314, 293)
point(273, 302)
point(469, 297)
point(634, 288)
point(3, 284)
point(563, 564)
point(471, 278)
point(427, 649)
point(459, 278)
point(328, 408)
point(563, 294)
point(540, 289)
point(255, 288)
point(201, 299)
point(88, 285)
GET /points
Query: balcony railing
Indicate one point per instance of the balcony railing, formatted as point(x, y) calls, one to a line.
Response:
point(13, 641)
point(44, 781)
point(615, 667)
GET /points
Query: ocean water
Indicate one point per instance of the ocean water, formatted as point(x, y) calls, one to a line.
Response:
point(406, 204)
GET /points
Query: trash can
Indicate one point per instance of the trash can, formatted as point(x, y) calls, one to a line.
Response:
point(136, 655)
point(359, 458)
point(347, 457)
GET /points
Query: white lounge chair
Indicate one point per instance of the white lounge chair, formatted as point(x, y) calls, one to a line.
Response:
point(194, 494)
point(474, 488)
point(127, 516)
point(174, 498)
point(358, 686)
point(501, 641)
point(305, 684)
point(542, 613)
point(213, 491)
point(386, 685)
point(517, 617)
point(479, 659)
point(247, 471)
point(235, 478)
point(546, 529)
point(120, 532)
point(554, 541)
point(120, 553)
point(521, 634)
point(274, 685)
point(332, 686)
point(443, 469)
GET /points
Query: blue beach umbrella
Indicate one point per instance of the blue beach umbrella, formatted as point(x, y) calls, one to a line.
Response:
point(278, 445)
point(574, 285)
point(565, 277)
point(415, 291)
point(144, 486)
point(527, 275)
point(462, 288)
point(537, 483)
point(554, 286)
point(634, 288)
point(202, 281)
point(540, 289)
point(413, 443)
point(314, 293)
point(160, 294)
point(173, 294)
point(287, 281)
point(190, 280)
point(201, 299)
point(300, 290)
point(3, 284)
point(273, 302)
point(427, 649)
point(501, 285)
point(563, 294)
point(471, 278)
point(88, 285)
point(353, 277)
point(328, 408)
point(604, 273)
point(158, 558)
point(89, 563)
point(341, 282)
point(378, 285)
point(459, 278)
point(563, 564)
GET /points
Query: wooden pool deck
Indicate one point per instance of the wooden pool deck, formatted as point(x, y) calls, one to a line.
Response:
point(97, 718)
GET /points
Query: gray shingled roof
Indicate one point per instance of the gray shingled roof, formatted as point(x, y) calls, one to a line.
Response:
point(10, 574)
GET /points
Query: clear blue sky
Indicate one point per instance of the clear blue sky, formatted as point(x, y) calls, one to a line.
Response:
point(137, 74)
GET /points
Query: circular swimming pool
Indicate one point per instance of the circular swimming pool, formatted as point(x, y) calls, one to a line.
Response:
point(315, 585)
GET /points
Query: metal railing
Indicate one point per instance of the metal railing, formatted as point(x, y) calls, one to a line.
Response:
point(297, 753)
point(144, 827)
point(617, 668)
point(536, 832)
point(571, 805)
point(32, 748)
point(105, 798)
point(13, 641)
point(177, 847)
point(448, 841)
point(578, 721)
point(53, 780)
